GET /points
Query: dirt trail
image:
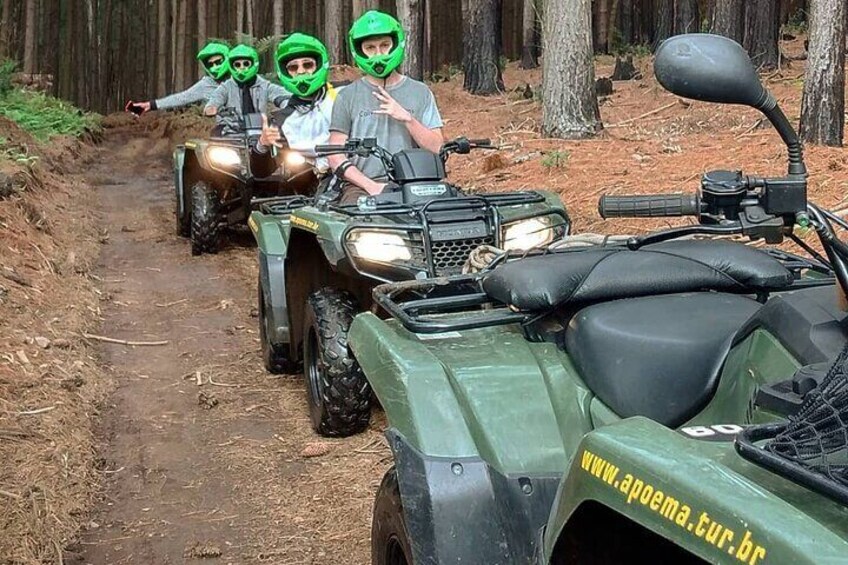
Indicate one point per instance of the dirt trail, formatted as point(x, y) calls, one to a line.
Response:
point(203, 450)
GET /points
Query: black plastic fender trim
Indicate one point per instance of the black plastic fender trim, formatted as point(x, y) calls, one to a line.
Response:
point(272, 277)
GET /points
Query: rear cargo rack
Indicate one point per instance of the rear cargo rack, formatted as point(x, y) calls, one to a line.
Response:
point(443, 304)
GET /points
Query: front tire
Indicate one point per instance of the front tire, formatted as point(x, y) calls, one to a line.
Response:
point(273, 354)
point(389, 535)
point(338, 393)
point(205, 219)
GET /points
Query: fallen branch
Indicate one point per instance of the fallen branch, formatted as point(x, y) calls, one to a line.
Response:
point(645, 115)
point(211, 382)
point(36, 411)
point(10, 494)
point(15, 277)
point(122, 341)
point(169, 304)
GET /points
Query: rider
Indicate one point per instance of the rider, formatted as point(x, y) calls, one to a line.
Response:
point(398, 111)
point(302, 65)
point(213, 57)
point(245, 92)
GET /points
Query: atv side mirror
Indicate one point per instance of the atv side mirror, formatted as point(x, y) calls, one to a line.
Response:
point(710, 68)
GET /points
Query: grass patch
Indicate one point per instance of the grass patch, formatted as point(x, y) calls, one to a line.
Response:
point(555, 159)
point(44, 116)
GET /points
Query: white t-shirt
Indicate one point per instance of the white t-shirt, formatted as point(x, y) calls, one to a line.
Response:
point(310, 126)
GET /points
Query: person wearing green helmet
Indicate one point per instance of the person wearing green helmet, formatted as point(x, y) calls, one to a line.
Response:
point(398, 111)
point(245, 92)
point(213, 58)
point(303, 66)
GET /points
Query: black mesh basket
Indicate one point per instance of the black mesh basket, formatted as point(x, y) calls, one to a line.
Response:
point(812, 448)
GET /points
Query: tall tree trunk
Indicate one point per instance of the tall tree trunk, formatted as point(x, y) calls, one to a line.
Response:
point(663, 21)
point(29, 38)
point(428, 37)
point(727, 19)
point(162, 49)
point(179, 55)
point(686, 18)
point(5, 28)
point(823, 103)
point(625, 22)
point(481, 46)
point(569, 105)
point(613, 33)
point(529, 51)
point(600, 25)
point(761, 31)
point(201, 24)
point(251, 31)
point(239, 16)
point(333, 33)
point(411, 16)
point(362, 6)
point(278, 18)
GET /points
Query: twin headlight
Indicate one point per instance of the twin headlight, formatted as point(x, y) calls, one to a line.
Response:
point(380, 246)
point(527, 234)
point(391, 247)
point(224, 157)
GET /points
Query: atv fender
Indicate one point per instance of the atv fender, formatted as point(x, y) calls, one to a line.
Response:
point(472, 491)
point(272, 238)
point(698, 494)
point(179, 179)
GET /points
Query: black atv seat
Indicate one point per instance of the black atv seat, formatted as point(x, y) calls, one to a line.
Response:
point(659, 356)
point(607, 273)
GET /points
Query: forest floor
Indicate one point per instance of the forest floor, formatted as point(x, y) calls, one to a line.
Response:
point(194, 451)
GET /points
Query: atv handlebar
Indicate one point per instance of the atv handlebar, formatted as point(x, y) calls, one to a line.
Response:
point(649, 206)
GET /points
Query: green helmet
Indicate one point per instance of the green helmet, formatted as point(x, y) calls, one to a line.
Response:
point(301, 45)
point(243, 52)
point(373, 24)
point(213, 48)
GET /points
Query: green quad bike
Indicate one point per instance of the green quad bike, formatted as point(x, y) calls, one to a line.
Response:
point(215, 187)
point(663, 400)
point(317, 266)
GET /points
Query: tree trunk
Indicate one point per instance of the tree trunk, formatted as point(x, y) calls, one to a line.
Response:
point(333, 32)
point(5, 28)
point(162, 49)
point(823, 103)
point(529, 51)
point(625, 22)
point(663, 21)
point(761, 31)
point(727, 19)
point(569, 106)
point(600, 23)
point(201, 24)
point(239, 16)
point(686, 19)
point(278, 18)
point(481, 47)
point(428, 37)
point(613, 32)
point(29, 38)
point(251, 31)
point(180, 36)
point(411, 16)
point(362, 6)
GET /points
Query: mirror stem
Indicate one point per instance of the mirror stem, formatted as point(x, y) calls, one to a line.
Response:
point(793, 144)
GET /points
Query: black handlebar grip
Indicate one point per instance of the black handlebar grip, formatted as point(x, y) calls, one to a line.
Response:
point(649, 206)
point(329, 148)
point(484, 142)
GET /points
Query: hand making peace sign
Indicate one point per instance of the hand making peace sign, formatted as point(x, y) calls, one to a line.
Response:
point(390, 107)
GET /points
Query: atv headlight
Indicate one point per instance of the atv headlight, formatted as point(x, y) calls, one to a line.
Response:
point(379, 246)
point(527, 234)
point(295, 159)
point(224, 156)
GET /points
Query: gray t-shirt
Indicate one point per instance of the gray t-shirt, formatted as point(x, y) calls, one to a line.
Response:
point(353, 115)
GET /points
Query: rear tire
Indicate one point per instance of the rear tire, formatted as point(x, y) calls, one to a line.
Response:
point(338, 393)
point(389, 535)
point(205, 219)
point(273, 354)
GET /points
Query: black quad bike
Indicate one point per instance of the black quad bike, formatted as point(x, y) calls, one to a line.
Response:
point(318, 264)
point(215, 186)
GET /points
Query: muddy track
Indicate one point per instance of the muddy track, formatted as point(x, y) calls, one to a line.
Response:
point(206, 455)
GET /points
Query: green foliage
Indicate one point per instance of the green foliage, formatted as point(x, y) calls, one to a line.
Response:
point(445, 73)
point(621, 49)
point(555, 159)
point(797, 24)
point(7, 67)
point(502, 62)
point(261, 44)
point(44, 116)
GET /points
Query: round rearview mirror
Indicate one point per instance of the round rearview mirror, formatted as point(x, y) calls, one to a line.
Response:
point(710, 68)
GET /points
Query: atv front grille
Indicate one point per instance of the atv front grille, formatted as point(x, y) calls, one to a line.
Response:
point(449, 256)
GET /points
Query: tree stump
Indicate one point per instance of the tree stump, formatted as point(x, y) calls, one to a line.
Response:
point(625, 70)
point(603, 86)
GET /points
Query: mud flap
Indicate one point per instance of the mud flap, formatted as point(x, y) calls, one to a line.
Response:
point(179, 185)
point(272, 275)
point(464, 511)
